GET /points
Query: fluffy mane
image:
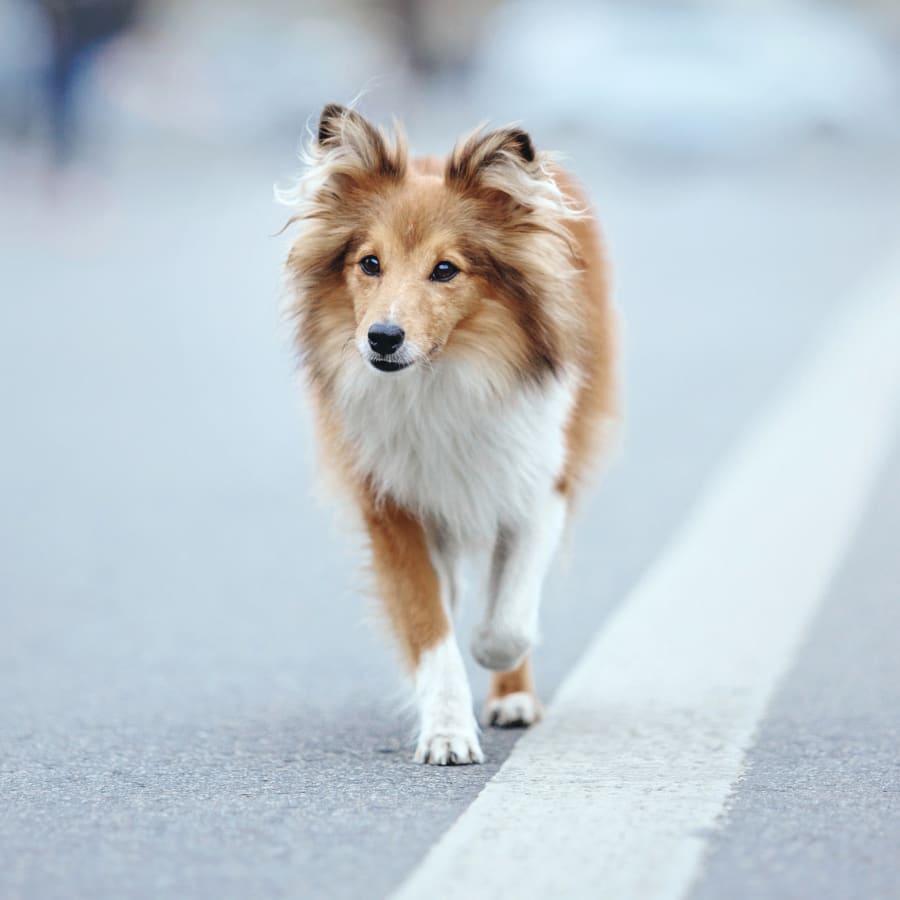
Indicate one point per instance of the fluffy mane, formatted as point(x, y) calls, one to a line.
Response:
point(512, 219)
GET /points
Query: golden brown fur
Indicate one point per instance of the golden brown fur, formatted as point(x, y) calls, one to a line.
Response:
point(406, 578)
point(518, 681)
point(529, 304)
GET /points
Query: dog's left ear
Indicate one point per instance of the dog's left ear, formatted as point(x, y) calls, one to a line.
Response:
point(522, 139)
point(490, 153)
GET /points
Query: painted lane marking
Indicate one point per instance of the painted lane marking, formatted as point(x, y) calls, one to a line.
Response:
point(615, 793)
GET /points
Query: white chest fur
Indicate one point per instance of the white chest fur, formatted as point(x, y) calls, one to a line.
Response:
point(439, 443)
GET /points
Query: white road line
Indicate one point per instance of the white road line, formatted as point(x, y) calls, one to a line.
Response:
point(615, 793)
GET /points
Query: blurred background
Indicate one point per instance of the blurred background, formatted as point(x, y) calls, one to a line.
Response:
point(177, 614)
point(83, 77)
point(140, 141)
point(86, 83)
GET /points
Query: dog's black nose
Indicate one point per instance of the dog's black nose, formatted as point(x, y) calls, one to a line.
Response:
point(385, 338)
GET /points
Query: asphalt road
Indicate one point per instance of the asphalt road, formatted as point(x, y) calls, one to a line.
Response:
point(196, 701)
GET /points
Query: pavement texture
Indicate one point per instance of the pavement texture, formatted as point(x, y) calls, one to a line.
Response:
point(196, 697)
point(817, 812)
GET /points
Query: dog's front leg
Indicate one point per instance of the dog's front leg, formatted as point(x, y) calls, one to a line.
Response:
point(522, 555)
point(412, 593)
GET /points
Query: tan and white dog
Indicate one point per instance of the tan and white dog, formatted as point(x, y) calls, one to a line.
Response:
point(458, 342)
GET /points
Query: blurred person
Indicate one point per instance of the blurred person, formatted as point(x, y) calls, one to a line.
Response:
point(77, 29)
point(438, 44)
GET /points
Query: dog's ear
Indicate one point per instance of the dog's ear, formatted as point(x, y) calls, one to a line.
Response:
point(522, 139)
point(345, 132)
point(487, 153)
point(332, 113)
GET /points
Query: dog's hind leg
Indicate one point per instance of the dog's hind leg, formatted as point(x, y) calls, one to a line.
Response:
point(511, 700)
point(522, 555)
point(412, 593)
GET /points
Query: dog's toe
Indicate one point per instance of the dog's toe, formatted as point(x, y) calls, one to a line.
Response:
point(517, 710)
point(449, 750)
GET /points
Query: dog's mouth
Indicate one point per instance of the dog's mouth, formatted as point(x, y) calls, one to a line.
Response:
point(388, 365)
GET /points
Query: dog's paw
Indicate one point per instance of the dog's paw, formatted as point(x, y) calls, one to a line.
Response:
point(449, 749)
point(500, 650)
point(517, 710)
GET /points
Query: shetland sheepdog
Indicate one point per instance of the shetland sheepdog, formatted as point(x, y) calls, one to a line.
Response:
point(455, 330)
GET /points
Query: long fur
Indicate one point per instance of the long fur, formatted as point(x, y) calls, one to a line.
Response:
point(506, 386)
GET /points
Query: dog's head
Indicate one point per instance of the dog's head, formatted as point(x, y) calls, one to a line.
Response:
point(412, 261)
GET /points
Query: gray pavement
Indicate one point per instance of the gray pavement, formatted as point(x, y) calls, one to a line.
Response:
point(817, 812)
point(193, 700)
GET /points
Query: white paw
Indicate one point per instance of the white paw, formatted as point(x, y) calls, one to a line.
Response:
point(448, 732)
point(518, 709)
point(500, 649)
point(458, 748)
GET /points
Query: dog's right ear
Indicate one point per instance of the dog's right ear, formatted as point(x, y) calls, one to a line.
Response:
point(347, 160)
point(359, 142)
point(329, 122)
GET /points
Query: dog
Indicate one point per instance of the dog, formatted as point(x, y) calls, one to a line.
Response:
point(455, 329)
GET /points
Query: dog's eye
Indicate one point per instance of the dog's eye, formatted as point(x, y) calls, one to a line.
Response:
point(444, 271)
point(370, 265)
